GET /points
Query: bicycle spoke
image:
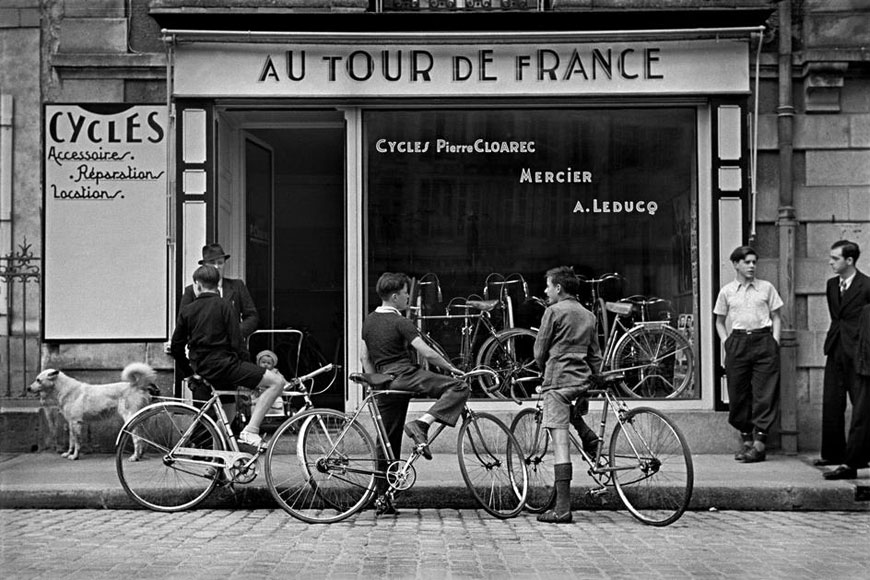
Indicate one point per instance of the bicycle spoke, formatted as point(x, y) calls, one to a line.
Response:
point(538, 457)
point(652, 467)
point(155, 479)
point(492, 465)
point(320, 466)
point(648, 358)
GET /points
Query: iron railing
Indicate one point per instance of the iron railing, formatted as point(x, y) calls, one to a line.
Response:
point(22, 267)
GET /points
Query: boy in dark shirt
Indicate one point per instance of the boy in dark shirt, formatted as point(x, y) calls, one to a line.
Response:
point(209, 327)
point(388, 338)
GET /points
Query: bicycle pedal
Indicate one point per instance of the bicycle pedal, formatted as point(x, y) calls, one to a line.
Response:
point(597, 492)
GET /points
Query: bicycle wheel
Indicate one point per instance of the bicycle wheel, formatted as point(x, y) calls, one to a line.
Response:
point(652, 466)
point(492, 465)
point(538, 457)
point(511, 354)
point(320, 467)
point(153, 478)
point(657, 362)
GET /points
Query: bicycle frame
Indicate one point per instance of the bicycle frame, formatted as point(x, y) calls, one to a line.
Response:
point(390, 456)
point(469, 333)
point(601, 471)
point(621, 333)
point(232, 456)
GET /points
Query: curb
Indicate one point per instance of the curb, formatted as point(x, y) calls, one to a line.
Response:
point(456, 496)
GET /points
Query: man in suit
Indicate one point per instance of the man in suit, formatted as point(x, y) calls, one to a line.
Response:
point(847, 294)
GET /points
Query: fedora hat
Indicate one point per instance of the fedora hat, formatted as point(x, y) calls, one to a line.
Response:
point(213, 252)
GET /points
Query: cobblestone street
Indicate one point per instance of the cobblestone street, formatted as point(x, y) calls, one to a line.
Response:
point(430, 544)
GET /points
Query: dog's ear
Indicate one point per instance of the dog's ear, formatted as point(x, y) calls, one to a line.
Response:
point(52, 374)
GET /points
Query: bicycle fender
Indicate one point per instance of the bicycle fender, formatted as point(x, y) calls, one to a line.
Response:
point(149, 407)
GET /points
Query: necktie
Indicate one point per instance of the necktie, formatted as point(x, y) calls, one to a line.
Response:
point(842, 287)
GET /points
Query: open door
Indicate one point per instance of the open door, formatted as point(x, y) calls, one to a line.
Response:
point(259, 195)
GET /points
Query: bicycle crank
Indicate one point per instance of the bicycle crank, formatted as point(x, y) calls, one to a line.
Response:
point(401, 475)
point(243, 470)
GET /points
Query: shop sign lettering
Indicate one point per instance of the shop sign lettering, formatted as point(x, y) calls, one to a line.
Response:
point(419, 66)
point(86, 150)
point(624, 206)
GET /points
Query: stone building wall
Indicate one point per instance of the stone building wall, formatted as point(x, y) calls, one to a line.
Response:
point(77, 51)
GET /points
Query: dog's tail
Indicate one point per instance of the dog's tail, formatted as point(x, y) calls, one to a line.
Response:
point(141, 376)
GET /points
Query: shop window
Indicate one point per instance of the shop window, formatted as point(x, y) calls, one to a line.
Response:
point(474, 197)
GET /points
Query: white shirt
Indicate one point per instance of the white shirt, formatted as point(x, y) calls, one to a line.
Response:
point(846, 282)
point(748, 305)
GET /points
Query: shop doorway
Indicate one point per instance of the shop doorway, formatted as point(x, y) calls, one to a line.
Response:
point(293, 195)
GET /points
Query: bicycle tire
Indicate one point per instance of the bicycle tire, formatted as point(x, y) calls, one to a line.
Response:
point(491, 462)
point(655, 484)
point(511, 354)
point(664, 357)
point(320, 467)
point(535, 442)
point(154, 480)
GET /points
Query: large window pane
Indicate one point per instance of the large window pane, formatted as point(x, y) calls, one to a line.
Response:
point(463, 194)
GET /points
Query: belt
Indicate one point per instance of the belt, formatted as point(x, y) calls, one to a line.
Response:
point(764, 330)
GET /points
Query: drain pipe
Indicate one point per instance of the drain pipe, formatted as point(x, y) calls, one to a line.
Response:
point(786, 225)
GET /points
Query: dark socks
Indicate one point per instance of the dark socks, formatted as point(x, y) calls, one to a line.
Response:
point(563, 474)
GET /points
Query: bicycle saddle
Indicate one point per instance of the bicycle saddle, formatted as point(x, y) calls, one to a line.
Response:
point(620, 308)
point(371, 379)
point(196, 380)
point(603, 379)
point(482, 305)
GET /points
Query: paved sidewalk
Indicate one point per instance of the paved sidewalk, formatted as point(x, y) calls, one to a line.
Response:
point(46, 480)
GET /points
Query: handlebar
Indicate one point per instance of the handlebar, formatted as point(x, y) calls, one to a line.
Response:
point(603, 278)
point(293, 384)
point(429, 279)
point(484, 370)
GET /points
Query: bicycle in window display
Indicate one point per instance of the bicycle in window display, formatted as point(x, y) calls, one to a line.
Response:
point(509, 351)
point(654, 358)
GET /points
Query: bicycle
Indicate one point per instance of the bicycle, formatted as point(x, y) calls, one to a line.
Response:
point(323, 466)
point(509, 352)
point(655, 358)
point(648, 461)
point(193, 452)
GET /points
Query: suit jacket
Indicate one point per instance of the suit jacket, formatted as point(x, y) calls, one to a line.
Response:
point(236, 293)
point(845, 313)
point(862, 356)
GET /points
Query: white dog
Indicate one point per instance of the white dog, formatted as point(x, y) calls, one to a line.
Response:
point(80, 402)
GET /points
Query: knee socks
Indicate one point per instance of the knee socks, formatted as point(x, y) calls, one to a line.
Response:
point(563, 473)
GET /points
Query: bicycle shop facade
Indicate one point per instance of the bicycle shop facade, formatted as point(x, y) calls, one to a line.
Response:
point(322, 160)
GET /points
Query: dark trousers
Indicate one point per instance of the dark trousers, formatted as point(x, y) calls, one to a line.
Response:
point(451, 395)
point(841, 381)
point(752, 370)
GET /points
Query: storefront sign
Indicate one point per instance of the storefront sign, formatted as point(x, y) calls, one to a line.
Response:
point(105, 222)
point(650, 67)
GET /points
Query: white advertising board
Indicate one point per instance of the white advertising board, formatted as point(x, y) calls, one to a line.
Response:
point(105, 270)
